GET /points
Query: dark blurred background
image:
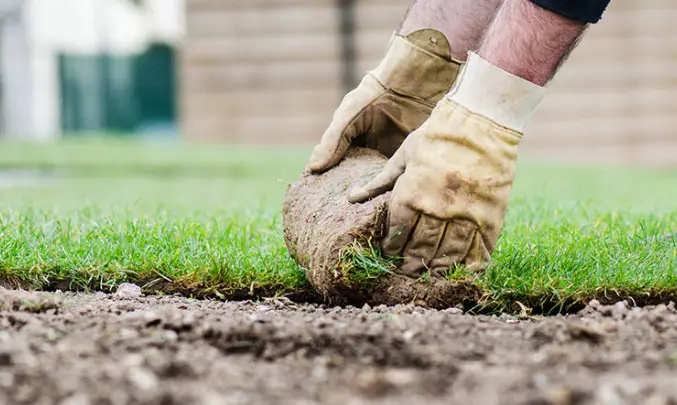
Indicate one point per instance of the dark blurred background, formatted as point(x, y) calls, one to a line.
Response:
point(272, 71)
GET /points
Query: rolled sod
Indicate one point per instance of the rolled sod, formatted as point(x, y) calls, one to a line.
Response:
point(322, 228)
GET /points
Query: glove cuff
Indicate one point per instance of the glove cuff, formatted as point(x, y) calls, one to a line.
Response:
point(418, 66)
point(487, 90)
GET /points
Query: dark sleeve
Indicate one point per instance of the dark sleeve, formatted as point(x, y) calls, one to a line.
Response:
point(589, 11)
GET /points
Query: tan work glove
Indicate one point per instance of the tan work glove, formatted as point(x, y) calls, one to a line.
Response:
point(452, 177)
point(392, 100)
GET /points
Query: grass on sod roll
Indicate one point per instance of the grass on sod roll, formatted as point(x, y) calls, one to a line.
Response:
point(207, 219)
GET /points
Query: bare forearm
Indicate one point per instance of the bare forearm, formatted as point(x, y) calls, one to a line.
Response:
point(529, 41)
point(461, 21)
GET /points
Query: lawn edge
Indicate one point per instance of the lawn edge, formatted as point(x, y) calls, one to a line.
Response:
point(460, 293)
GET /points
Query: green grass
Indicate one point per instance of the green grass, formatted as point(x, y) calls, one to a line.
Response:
point(206, 220)
point(206, 217)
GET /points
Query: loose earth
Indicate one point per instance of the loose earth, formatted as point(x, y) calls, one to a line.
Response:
point(78, 349)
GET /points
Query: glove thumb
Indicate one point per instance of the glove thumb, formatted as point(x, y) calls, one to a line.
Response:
point(384, 182)
point(334, 144)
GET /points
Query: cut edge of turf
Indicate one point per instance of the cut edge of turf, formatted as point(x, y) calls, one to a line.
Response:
point(464, 293)
point(163, 286)
point(370, 279)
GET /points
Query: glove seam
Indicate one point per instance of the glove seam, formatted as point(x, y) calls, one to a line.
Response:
point(482, 118)
point(436, 63)
point(359, 113)
point(415, 46)
point(474, 235)
point(411, 97)
point(488, 90)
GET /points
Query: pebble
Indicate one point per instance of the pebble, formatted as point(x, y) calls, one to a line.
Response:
point(559, 396)
point(128, 290)
point(620, 310)
point(77, 399)
point(409, 335)
point(6, 379)
point(142, 379)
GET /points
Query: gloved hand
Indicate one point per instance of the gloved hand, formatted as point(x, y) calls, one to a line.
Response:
point(452, 177)
point(392, 100)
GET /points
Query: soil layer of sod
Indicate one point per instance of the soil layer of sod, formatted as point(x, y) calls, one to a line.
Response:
point(471, 296)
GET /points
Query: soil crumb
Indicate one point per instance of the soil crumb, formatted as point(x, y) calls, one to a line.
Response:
point(320, 224)
point(105, 349)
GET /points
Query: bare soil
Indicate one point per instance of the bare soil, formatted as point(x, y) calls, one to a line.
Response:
point(77, 349)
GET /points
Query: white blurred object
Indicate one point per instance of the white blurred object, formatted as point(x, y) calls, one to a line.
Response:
point(114, 26)
point(166, 20)
point(34, 32)
point(9, 8)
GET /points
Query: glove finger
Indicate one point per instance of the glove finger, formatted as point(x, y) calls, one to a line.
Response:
point(333, 146)
point(401, 222)
point(422, 246)
point(351, 118)
point(454, 246)
point(382, 183)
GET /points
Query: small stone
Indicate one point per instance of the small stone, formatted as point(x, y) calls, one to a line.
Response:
point(366, 307)
point(400, 377)
point(657, 399)
point(619, 310)
point(142, 379)
point(128, 334)
point(128, 290)
point(132, 360)
point(77, 399)
point(607, 394)
point(559, 396)
point(171, 336)
point(6, 379)
point(540, 380)
point(594, 304)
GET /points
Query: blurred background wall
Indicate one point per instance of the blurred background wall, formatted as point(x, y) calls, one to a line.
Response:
point(274, 70)
point(87, 66)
